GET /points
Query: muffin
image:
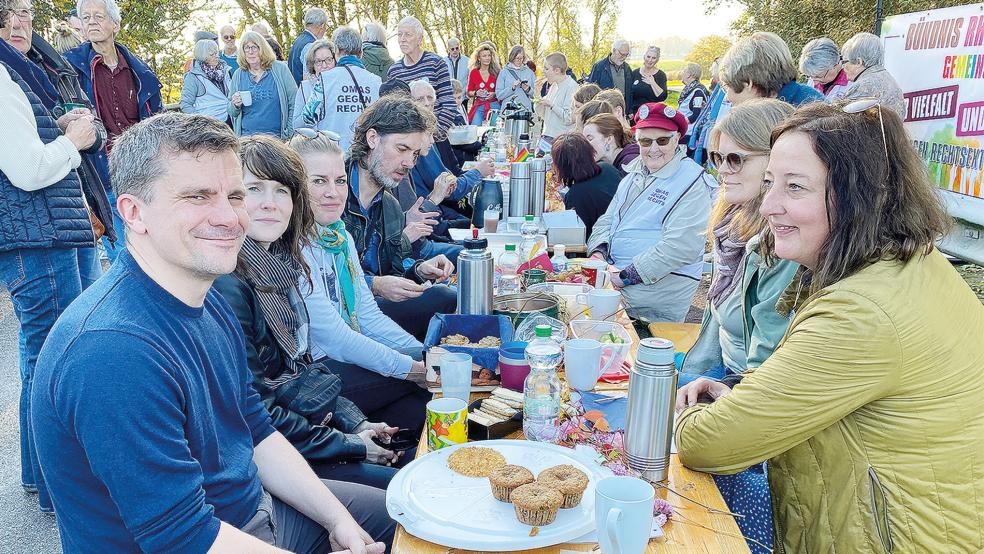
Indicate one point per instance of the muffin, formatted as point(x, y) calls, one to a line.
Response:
point(475, 461)
point(568, 480)
point(506, 478)
point(536, 504)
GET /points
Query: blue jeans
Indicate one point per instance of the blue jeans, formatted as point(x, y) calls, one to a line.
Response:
point(90, 268)
point(479, 117)
point(42, 283)
point(120, 228)
point(432, 248)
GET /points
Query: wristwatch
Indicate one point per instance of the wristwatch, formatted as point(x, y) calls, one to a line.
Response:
point(624, 275)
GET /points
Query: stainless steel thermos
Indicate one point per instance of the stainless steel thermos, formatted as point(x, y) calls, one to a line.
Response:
point(649, 419)
point(475, 271)
point(519, 189)
point(538, 186)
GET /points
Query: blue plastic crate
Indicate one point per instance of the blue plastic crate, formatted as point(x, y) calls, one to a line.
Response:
point(475, 327)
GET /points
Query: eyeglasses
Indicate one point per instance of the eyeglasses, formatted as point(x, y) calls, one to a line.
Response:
point(229, 37)
point(863, 105)
point(324, 61)
point(312, 134)
point(98, 18)
point(24, 14)
point(660, 141)
point(735, 160)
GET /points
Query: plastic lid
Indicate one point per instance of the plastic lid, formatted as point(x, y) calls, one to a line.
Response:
point(510, 248)
point(475, 244)
point(656, 351)
point(543, 330)
point(529, 218)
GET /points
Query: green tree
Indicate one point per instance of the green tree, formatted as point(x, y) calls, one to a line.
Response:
point(799, 21)
point(706, 50)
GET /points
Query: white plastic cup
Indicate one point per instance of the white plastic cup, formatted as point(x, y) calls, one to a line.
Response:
point(456, 375)
point(247, 97)
point(624, 514)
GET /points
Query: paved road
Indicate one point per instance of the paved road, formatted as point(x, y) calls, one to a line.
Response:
point(24, 528)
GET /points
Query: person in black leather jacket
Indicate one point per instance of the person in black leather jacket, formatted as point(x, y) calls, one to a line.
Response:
point(302, 395)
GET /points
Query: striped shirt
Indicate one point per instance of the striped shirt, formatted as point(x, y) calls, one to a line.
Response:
point(434, 70)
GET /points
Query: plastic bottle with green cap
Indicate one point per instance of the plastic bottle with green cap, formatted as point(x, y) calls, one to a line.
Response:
point(508, 271)
point(541, 391)
point(528, 231)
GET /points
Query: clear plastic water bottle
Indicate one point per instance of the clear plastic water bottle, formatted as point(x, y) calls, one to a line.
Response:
point(559, 259)
point(508, 271)
point(541, 391)
point(528, 231)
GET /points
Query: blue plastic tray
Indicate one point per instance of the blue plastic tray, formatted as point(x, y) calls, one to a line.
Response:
point(475, 327)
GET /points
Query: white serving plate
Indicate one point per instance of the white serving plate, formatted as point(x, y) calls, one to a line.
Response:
point(440, 506)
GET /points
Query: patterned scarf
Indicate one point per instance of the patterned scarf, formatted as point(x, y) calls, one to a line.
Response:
point(273, 274)
point(730, 258)
point(333, 239)
point(216, 73)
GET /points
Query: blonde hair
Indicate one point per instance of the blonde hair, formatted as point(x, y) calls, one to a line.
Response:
point(267, 57)
point(320, 144)
point(65, 37)
point(494, 66)
point(613, 97)
point(750, 125)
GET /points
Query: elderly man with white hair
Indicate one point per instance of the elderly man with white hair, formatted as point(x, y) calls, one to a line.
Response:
point(820, 61)
point(863, 56)
point(420, 64)
point(342, 93)
point(613, 72)
point(315, 26)
point(457, 64)
point(374, 53)
point(123, 88)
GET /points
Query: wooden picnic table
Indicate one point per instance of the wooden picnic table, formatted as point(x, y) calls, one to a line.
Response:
point(692, 529)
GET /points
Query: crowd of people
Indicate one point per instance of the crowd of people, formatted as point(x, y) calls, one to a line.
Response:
point(278, 249)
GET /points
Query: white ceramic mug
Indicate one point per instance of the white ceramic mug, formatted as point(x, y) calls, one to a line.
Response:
point(624, 514)
point(582, 363)
point(247, 97)
point(456, 375)
point(603, 303)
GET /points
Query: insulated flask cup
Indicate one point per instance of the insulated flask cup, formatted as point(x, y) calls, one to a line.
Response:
point(519, 189)
point(649, 419)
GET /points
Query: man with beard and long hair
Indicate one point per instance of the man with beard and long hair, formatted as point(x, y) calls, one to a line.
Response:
point(387, 142)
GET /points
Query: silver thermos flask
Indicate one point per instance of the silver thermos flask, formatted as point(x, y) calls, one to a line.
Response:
point(475, 271)
point(538, 185)
point(519, 189)
point(649, 419)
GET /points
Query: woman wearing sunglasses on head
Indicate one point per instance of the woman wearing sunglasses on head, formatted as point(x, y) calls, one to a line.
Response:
point(378, 361)
point(652, 234)
point(302, 395)
point(868, 409)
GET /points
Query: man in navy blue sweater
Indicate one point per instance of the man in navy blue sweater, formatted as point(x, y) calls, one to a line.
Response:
point(149, 432)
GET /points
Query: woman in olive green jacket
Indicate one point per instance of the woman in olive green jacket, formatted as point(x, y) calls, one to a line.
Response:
point(869, 409)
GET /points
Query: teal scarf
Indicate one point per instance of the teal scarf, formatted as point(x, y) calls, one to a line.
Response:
point(333, 239)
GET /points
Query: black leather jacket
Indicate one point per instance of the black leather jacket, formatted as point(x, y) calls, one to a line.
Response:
point(328, 439)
